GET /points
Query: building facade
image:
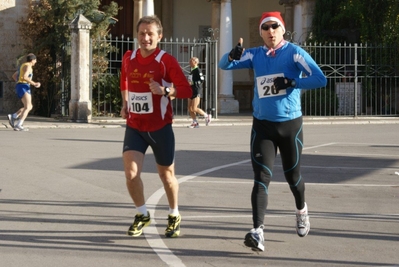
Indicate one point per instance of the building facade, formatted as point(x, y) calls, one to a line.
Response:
point(230, 20)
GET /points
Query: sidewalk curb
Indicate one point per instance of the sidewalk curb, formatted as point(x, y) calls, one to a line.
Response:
point(36, 122)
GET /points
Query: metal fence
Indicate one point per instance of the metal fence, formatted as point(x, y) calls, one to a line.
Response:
point(182, 50)
point(363, 80)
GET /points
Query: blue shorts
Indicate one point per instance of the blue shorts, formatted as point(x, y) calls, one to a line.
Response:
point(162, 143)
point(22, 88)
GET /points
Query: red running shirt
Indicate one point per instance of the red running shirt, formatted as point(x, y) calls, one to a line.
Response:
point(149, 112)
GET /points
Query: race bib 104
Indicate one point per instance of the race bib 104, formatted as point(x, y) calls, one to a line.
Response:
point(140, 103)
point(266, 87)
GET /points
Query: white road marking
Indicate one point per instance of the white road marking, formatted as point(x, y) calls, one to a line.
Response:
point(151, 234)
point(312, 147)
point(154, 239)
point(315, 184)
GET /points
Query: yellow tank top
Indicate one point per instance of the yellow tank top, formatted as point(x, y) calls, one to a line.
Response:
point(21, 74)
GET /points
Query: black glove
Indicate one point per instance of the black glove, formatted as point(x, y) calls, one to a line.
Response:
point(236, 52)
point(281, 83)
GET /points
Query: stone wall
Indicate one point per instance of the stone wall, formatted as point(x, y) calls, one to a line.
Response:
point(11, 47)
point(308, 7)
point(11, 101)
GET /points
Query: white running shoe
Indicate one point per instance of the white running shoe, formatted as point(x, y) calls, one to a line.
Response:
point(302, 222)
point(194, 125)
point(208, 119)
point(254, 239)
point(20, 128)
point(11, 120)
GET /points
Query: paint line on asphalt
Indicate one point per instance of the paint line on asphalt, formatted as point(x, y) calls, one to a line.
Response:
point(322, 145)
point(313, 215)
point(314, 184)
point(151, 234)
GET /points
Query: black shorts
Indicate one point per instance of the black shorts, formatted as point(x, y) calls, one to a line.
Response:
point(195, 91)
point(162, 143)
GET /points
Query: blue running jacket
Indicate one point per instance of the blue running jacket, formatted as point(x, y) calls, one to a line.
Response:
point(289, 61)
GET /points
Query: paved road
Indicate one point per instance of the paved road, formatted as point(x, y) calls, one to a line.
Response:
point(64, 203)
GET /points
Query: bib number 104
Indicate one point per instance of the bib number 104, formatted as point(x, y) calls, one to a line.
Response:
point(140, 103)
point(138, 107)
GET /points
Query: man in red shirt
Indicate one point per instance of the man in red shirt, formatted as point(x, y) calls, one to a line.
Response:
point(149, 77)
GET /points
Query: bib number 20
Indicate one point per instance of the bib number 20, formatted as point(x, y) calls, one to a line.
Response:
point(270, 90)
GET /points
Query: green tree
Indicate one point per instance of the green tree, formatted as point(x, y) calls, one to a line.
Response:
point(322, 28)
point(374, 23)
point(354, 21)
point(47, 34)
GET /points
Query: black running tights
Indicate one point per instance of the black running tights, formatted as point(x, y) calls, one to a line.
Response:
point(266, 138)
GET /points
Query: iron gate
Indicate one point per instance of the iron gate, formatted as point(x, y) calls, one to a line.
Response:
point(182, 50)
point(363, 80)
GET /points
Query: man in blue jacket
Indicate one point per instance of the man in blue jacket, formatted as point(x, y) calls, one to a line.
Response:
point(281, 70)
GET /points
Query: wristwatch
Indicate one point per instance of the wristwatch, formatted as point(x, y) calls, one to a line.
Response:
point(293, 83)
point(167, 91)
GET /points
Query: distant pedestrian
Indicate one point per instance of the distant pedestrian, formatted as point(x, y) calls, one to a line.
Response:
point(196, 79)
point(24, 79)
point(282, 70)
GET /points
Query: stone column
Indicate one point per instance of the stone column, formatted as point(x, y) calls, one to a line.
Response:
point(226, 102)
point(148, 8)
point(167, 19)
point(289, 13)
point(299, 35)
point(80, 107)
point(215, 14)
point(301, 13)
point(138, 13)
point(308, 7)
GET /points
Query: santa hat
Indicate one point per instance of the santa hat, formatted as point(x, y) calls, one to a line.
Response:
point(271, 16)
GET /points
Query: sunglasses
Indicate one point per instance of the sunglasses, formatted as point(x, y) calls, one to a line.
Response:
point(266, 27)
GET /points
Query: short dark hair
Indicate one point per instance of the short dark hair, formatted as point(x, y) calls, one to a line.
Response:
point(150, 20)
point(30, 57)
